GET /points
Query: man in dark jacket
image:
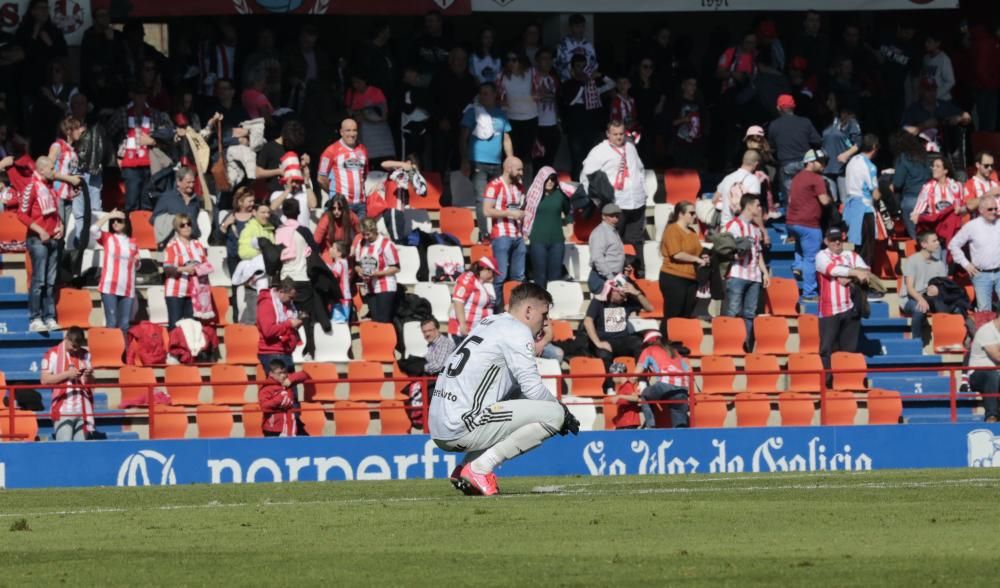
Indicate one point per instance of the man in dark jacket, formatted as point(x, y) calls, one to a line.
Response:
point(451, 90)
point(791, 136)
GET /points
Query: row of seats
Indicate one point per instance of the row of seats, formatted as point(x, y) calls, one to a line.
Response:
point(885, 407)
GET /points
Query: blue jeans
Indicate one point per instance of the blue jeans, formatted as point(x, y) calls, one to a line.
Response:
point(546, 262)
point(986, 283)
point(907, 205)
point(788, 172)
point(917, 319)
point(741, 300)
point(95, 182)
point(595, 282)
point(665, 391)
point(482, 174)
point(510, 253)
point(360, 209)
point(136, 188)
point(117, 312)
point(177, 309)
point(44, 269)
point(808, 242)
point(552, 351)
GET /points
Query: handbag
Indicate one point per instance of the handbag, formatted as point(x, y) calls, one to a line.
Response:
point(219, 172)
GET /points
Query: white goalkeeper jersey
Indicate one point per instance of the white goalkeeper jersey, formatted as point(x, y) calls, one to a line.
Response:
point(496, 358)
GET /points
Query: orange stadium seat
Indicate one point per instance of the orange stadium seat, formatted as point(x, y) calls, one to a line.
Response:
point(610, 408)
point(808, 333)
point(708, 412)
point(393, 418)
point(590, 387)
point(651, 289)
point(688, 332)
point(771, 334)
point(229, 384)
point(220, 303)
point(11, 228)
point(782, 297)
point(759, 382)
point(720, 384)
point(253, 420)
point(241, 344)
point(729, 334)
point(313, 417)
point(431, 200)
point(948, 331)
point(107, 346)
point(628, 361)
point(459, 222)
point(73, 308)
point(365, 391)
point(796, 409)
point(681, 184)
point(378, 341)
point(398, 385)
point(142, 229)
point(322, 391)
point(508, 287)
point(752, 410)
point(479, 251)
point(25, 425)
point(800, 362)
point(562, 331)
point(168, 422)
point(130, 375)
point(351, 418)
point(843, 360)
point(178, 381)
point(214, 421)
point(885, 407)
point(841, 407)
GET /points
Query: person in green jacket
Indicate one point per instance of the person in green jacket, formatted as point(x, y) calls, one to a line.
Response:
point(547, 211)
point(258, 227)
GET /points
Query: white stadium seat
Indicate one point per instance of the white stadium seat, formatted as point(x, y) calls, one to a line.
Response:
point(442, 253)
point(644, 324)
point(549, 367)
point(204, 221)
point(661, 214)
point(409, 263)
point(649, 183)
point(651, 257)
point(439, 295)
point(156, 302)
point(583, 409)
point(568, 300)
point(217, 255)
point(331, 348)
point(413, 339)
point(577, 261)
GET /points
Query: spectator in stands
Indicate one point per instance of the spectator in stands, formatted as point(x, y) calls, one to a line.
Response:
point(439, 347)
point(343, 309)
point(119, 260)
point(304, 66)
point(474, 297)
point(792, 136)
point(484, 64)
point(234, 223)
point(151, 79)
point(278, 322)
point(682, 255)
point(985, 82)
point(748, 273)
point(547, 212)
point(68, 364)
point(297, 186)
point(838, 272)
point(102, 50)
point(50, 106)
point(755, 139)
point(606, 323)
point(39, 212)
point(131, 129)
point(94, 154)
point(582, 110)
point(368, 105)
point(293, 137)
point(937, 65)
point(41, 40)
point(841, 140)
point(225, 103)
point(376, 263)
point(503, 204)
point(985, 353)
point(294, 266)
point(983, 185)
point(730, 191)
point(607, 252)
point(278, 401)
point(660, 358)
point(930, 114)
point(543, 152)
point(518, 95)
point(918, 270)
point(64, 158)
point(620, 162)
point(812, 43)
point(864, 225)
point(573, 44)
point(910, 175)
point(343, 167)
point(983, 239)
point(687, 121)
point(452, 89)
point(626, 399)
point(483, 143)
point(805, 214)
point(338, 223)
point(258, 227)
point(180, 200)
point(941, 202)
point(254, 100)
point(183, 254)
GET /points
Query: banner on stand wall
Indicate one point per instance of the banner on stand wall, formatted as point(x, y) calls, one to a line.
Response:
point(705, 5)
point(72, 17)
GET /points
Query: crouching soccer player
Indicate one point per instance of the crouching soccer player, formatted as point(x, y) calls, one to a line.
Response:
point(474, 410)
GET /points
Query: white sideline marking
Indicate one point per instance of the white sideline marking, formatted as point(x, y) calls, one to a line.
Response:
point(537, 491)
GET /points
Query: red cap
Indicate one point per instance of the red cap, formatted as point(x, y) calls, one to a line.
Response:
point(767, 30)
point(786, 102)
point(180, 120)
point(489, 263)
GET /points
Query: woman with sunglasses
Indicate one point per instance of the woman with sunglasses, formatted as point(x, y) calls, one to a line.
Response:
point(338, 223)
point(181, 259)
point(376, 263)
point(682, 254)
point(519, 93)
point(118, 264)
point(235, 221)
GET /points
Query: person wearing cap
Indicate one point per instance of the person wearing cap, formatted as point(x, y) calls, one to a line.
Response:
point(474, 297)
point(626, 397)
point(297, 185)
point(841, 141)
point(806, 201)
point(837, 270)
point(606, 323)
point(770, 44)
point(791, 135)
point(669, 380)
point(983, 237)
point(864, 224)
point(734, 186)
point(131, 128)
point(607, 252)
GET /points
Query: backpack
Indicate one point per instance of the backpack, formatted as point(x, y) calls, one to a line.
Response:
point(145, 344)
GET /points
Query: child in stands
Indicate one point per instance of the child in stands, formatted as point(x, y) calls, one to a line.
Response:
point(626, 397)
point(342, 273)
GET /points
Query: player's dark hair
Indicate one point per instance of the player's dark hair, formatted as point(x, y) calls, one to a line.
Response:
point(76, 336)
point(528, 291)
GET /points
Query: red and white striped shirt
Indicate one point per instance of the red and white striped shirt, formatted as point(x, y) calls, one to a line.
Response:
point(121, 257)
point(376, 256)
point(934, 197)
point(177, 255)
point(66, 163)
point(748, 266)
point(70, 402)
point(976, 186)
point(476, 297)
point(347, 168)
point(506, 197)
point(342, 272)
point(834, 297)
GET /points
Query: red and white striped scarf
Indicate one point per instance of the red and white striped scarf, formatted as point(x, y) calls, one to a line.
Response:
point(622, 174)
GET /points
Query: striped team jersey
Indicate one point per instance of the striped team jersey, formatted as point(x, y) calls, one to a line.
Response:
point(66, 163)
point(342, 273)
point(835, 298)
point(347, 168)
point(656, 360)
point(934, 197)
point(498, 353)
point(121, 257)
point(976, 186)
point(70, 402)
point(506, 198)
point(177, 255)
point(748, 266)
point(477, 299)
point(376, 256)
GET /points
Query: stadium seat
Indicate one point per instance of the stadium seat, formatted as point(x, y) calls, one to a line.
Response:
point(628, 361)
point(479, 251)
point(409, 263)
point(156, 304)
point(439, 254)
point(649, 184)
point(241, 344)
point(393, 418)
point(438, 295)
point(220, 303)
point(378, 341)
point(567, 298)
point(610, 410)
point(661, 217)
point(843, 360)
point(178, 381)
point(582, 366)
point(771, 334)
point(782, 297)
point(885, 407)
point(796, 409)
point(400, 381)
point(107, 346)
point(142, 229)
point(651, 257)
point(948, 331)
point(73, 308)
point(708, 412)
point(562, 331)
point(414, 344)
point(584, 409)
point(12, 229)
point(334, 346)
point(576, 259)
point(313, 418)
point(322, 386)
point(25, 425)
point(214, 422)
point(365, 391)
point(681, 184)
point(459, 222)
point(129, 378)
point(508, 287)
point(760, 382)
point(752, 410)
point(687, 332)
point(629, 249)
point(204, 223)
point(229, 384)
point(841, 408)
point(729, 334)
point(651, 289)
point(168, 422)
point(351, 418)
point(259, 374)
point(800, 362)
point(216, 255)
point(549, 367)
point(432, 199)
point(718, 384)
point(808, 333)
point(253, 420)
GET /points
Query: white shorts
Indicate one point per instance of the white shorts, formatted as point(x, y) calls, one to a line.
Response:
point(498, 421)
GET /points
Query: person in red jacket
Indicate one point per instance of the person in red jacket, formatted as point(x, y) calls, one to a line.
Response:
point(277, 400)
point(278, 323)
point(40, 213)
point(626, 397)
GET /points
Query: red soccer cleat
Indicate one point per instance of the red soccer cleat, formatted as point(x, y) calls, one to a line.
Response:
point(479, 483)
point(461, 485)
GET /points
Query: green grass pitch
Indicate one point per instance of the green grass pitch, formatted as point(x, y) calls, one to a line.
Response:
point(913, 528)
